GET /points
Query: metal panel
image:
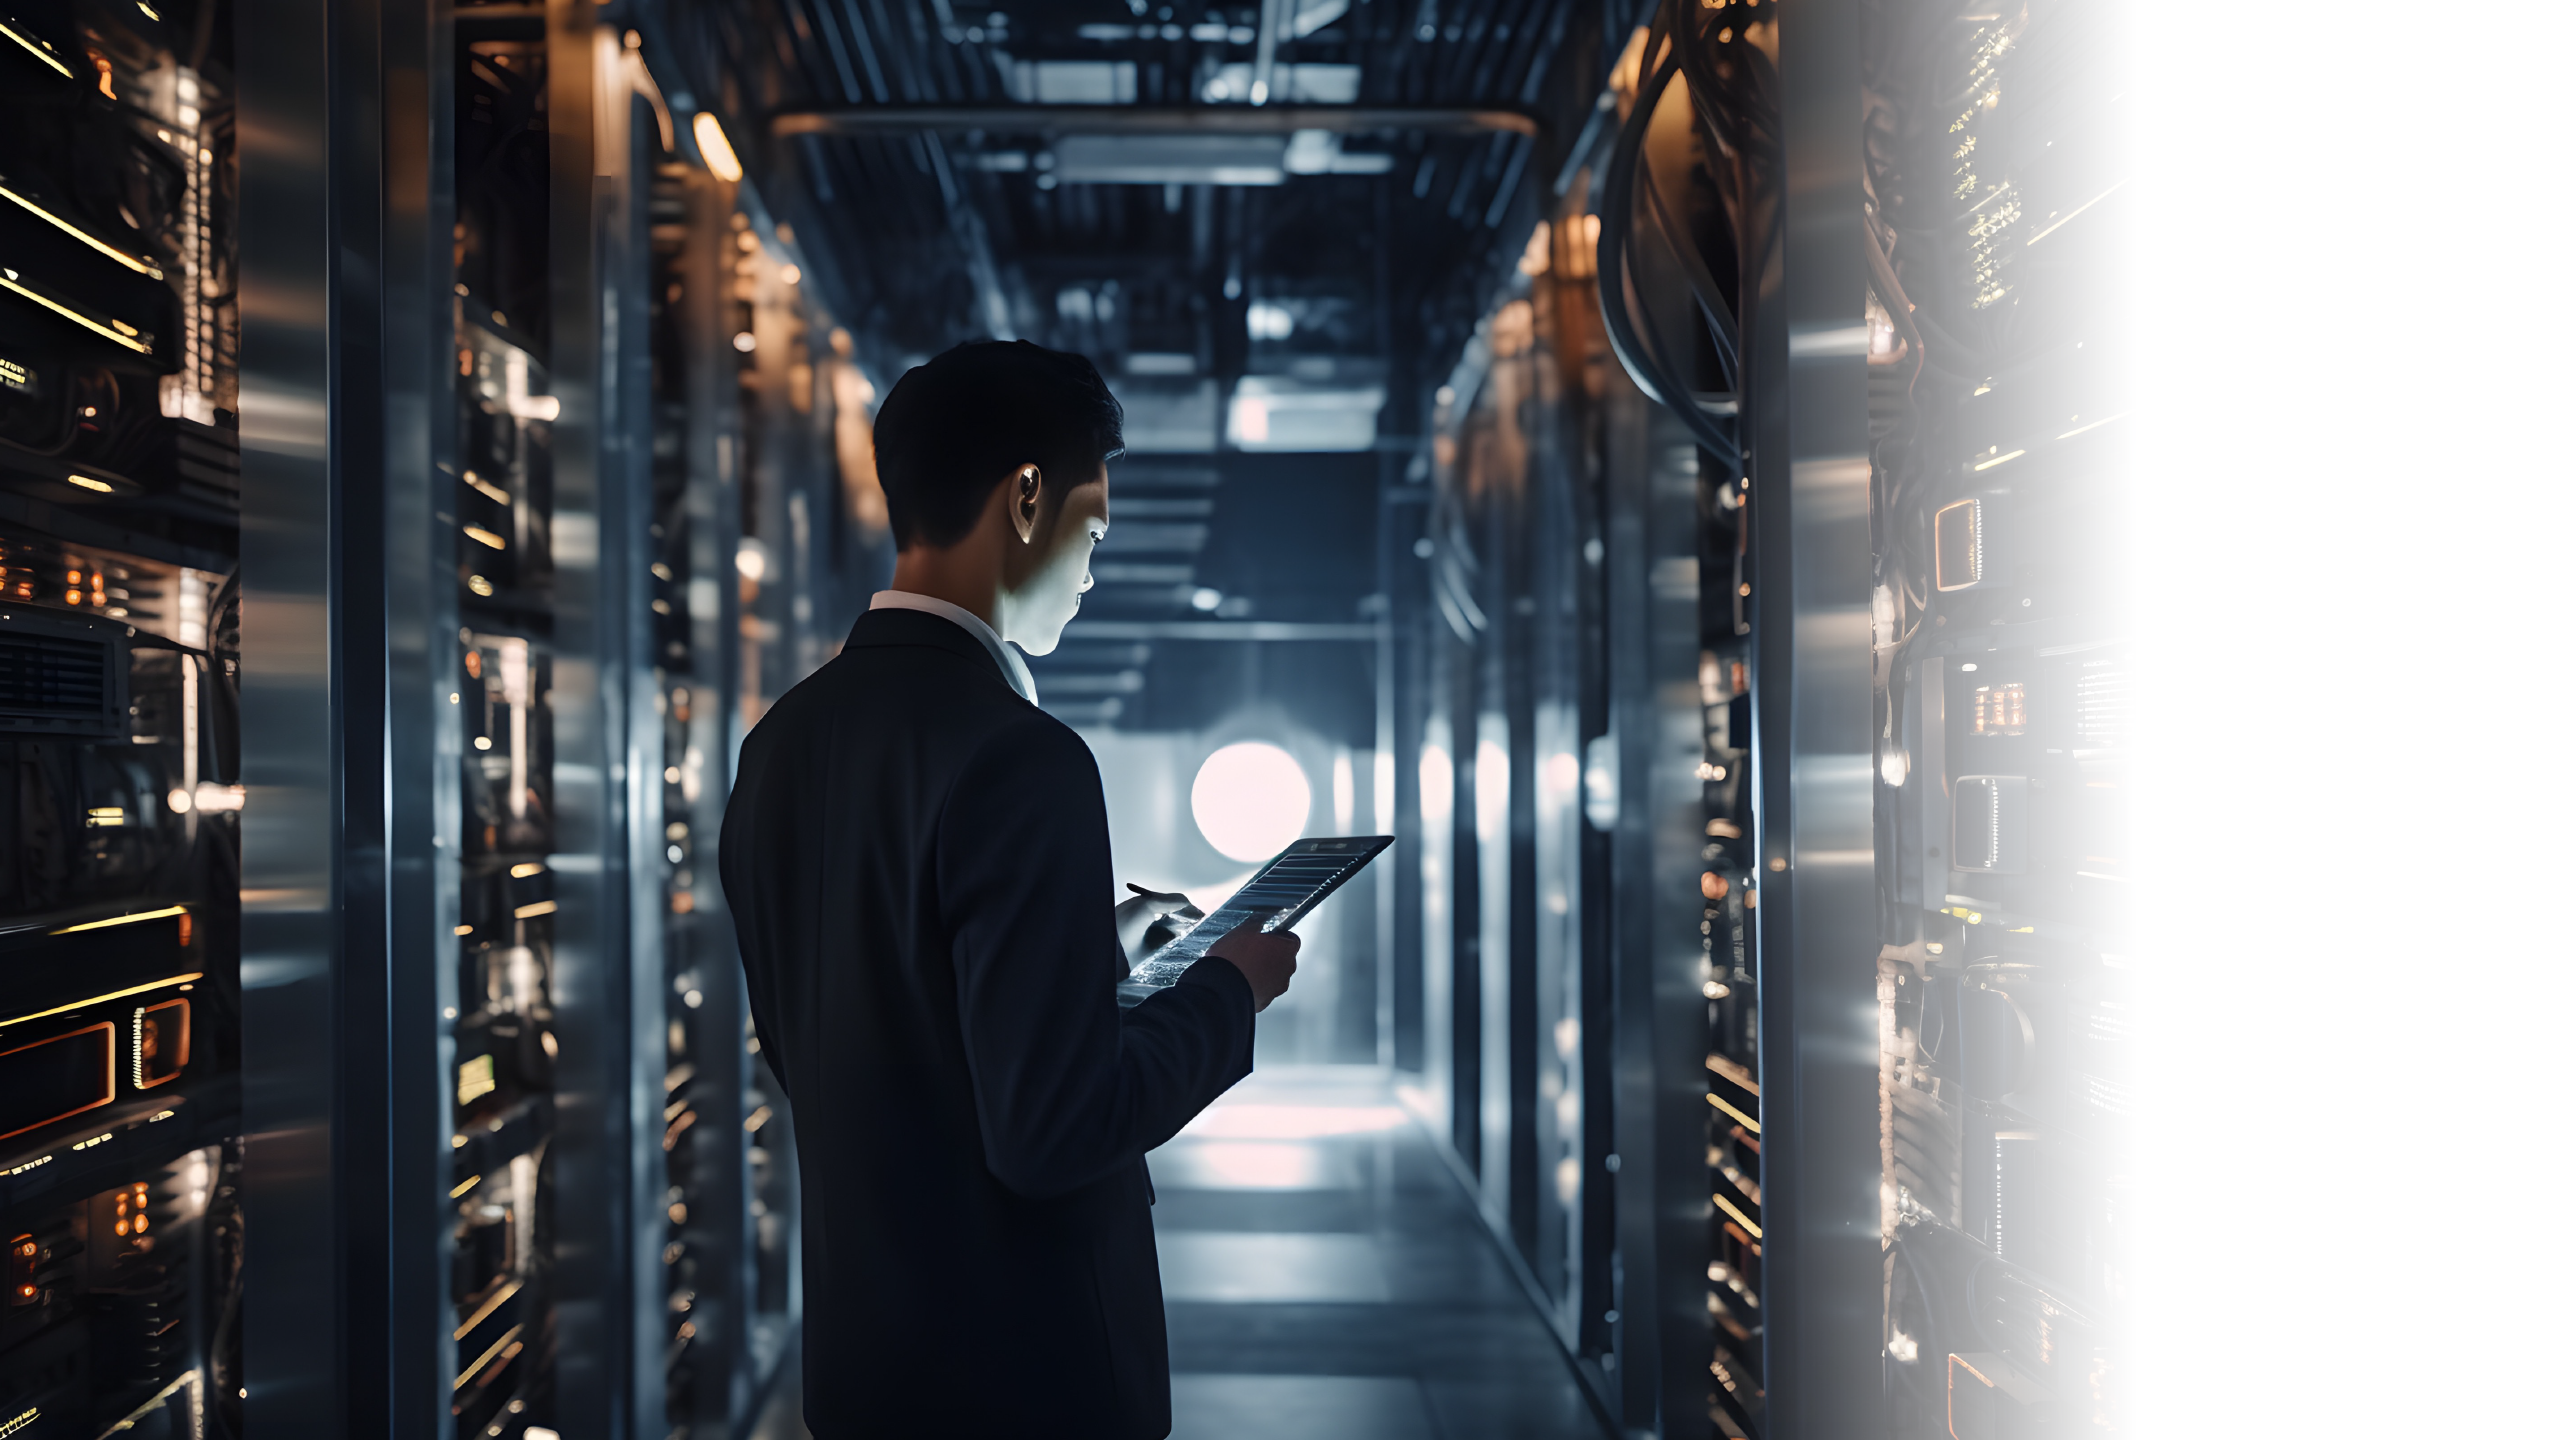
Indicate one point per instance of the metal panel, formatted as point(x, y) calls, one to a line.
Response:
point(289, 881)
point(1658, 738)
point(625, 155)
point(1812, 742)
point(416, 839)
point(591, 980)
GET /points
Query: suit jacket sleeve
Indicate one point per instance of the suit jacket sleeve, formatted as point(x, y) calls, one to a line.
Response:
point(1069, 1087)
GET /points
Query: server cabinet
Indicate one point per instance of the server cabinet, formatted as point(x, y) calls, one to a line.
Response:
point(120, 1151)
point(741, 438)
point(491, 557)
point(2001, 690)
point(1559, 777)
point(1913, 681)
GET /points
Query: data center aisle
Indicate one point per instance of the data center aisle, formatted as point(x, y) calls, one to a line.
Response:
point(1325, 1276)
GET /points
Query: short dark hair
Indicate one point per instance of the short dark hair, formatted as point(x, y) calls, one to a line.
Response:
point(953, 426)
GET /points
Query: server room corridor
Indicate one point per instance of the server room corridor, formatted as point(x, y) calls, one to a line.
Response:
point(1324, 1277)
point(454, 453)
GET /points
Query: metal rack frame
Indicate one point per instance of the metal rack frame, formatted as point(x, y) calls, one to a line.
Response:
point(352, 827)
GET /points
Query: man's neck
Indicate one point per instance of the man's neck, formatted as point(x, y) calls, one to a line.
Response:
point(954, 576)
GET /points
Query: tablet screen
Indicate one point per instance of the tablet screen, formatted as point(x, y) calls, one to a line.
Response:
point(1277, 897)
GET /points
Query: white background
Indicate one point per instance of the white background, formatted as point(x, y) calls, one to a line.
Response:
point(2351, 1223)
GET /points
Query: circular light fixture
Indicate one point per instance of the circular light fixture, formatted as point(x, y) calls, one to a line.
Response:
point(1251, 800)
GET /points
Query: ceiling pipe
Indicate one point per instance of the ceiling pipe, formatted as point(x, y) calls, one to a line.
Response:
point(1149, 119)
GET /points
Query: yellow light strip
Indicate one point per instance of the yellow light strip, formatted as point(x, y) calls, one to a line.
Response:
point(490, 1306)
point(2092, 425)
point(490, 1354)
point(40, 52)
point(9, 282)
point(1739, 1218)
point(490, 538)
point(1999, 460)
point(1734, 1073)
point(124, 920)
point(457, 1192)
point(2076, 214)
point(173, 1387)
point(85, 483)
point(130, 262)
point(102, 999)
point(537, 909)
point(1726, 1106)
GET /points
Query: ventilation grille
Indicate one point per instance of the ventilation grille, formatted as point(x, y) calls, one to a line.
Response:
point(2105, 703)
point(59, 684)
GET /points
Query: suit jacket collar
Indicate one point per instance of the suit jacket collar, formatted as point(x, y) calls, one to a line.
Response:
point(877, 628)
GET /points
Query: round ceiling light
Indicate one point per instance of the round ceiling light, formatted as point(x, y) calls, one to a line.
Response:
point(1251, 800)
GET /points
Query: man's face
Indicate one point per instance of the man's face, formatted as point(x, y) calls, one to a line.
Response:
point(1057, 569)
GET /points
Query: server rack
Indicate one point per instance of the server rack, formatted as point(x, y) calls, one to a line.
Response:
point(120, 1151)
point(694, 435)
point(1912, 678)
point(1997, 140)
point(495, 474)
point(758, 424)
point(1563, 741)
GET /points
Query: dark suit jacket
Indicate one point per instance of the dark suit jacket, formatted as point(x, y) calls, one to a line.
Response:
point(919, 868)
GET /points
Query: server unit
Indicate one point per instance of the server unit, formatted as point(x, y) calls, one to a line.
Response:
point(502, 1090)
point(120, 1192)
point(2003, 680)
point(748, 388)
point(1914, 681)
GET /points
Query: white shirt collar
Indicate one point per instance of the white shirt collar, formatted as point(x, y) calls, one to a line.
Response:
point(1008, 659)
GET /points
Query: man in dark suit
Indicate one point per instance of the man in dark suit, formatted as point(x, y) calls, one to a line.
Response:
point(920, 870)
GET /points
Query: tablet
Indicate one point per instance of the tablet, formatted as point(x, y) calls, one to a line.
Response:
point(1279, 895)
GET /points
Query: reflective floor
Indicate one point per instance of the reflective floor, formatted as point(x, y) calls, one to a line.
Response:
point(1325, 1276)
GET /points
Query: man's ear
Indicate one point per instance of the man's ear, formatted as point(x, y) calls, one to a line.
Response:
point(1024, 499)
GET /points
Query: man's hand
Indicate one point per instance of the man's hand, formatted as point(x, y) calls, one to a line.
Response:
point(1150, 920)
point(1266, 961)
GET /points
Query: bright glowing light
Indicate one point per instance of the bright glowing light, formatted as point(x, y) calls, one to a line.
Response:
point(1266, 321)
point(1563, 776)
point(1252, 420)
point(1493, 791)
point(1437, 784)
point(751, 561)
point(714, 144)
point(1293, 1122)
point(1893, 766)
point(85, 483)
point(1205, 598)
point(1250, 800)
point(1244, 1165)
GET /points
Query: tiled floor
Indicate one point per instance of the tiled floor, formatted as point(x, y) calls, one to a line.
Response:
point(1325, 1277)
